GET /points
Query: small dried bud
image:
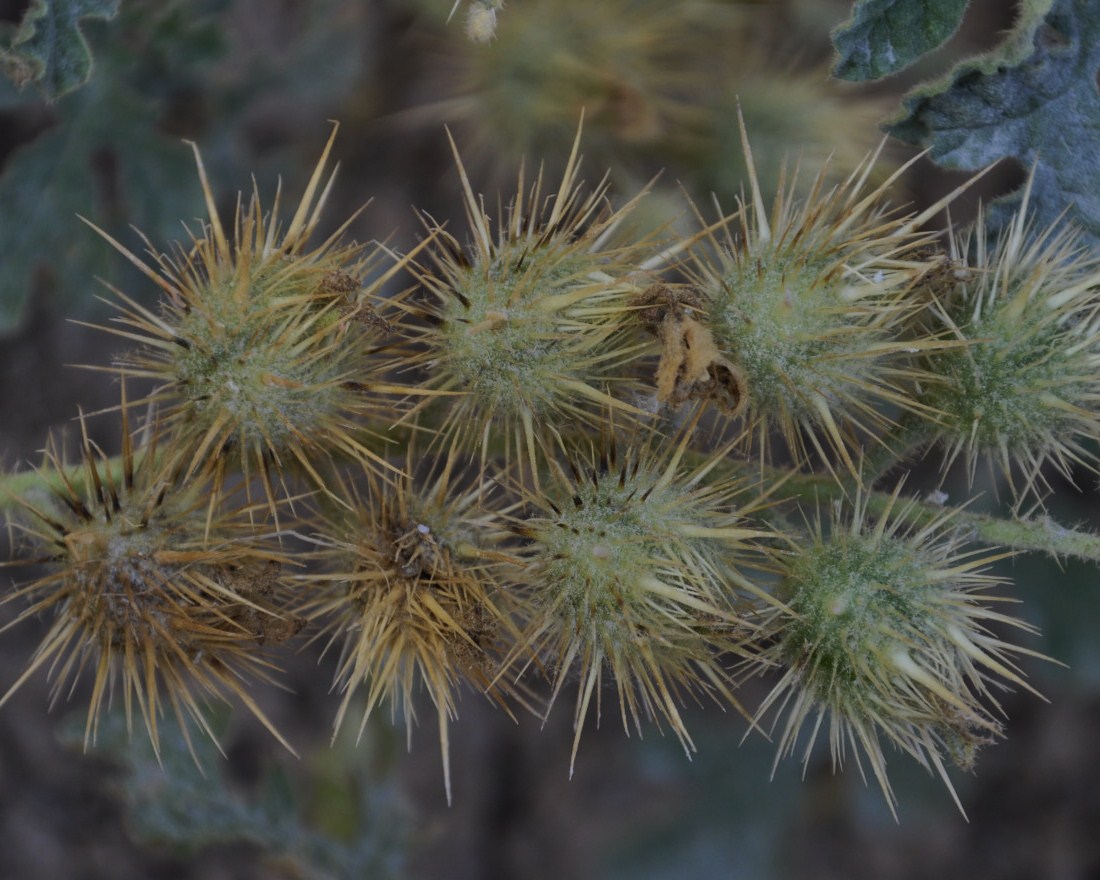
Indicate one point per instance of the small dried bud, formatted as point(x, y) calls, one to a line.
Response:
point(481, 21)
point(691, 367)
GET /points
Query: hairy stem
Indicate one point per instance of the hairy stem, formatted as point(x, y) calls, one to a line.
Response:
point(909, 434)
point(1039, 534)
point(21, 483)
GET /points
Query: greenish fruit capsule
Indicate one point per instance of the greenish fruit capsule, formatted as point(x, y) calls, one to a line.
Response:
point(813, 304)
point(882, 635)
point(634, 570)
point(528, 333)
point(1022, 384)
point(262, 349)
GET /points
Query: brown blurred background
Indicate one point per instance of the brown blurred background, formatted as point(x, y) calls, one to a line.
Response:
point(254, 82)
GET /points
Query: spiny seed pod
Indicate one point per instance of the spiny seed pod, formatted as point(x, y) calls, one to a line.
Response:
point(261, 345)
point(151, 586)
point(525, 335)
point(882, 631)
point(1024, 387)
point(633, 571)
point(812, 307)
point(410, 598)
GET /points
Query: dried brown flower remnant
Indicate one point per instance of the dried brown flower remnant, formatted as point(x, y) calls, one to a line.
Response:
point(691, 367)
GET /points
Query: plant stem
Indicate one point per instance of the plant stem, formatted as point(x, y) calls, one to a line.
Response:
point(15, 486)
point(1040, 534)
point(910, 433)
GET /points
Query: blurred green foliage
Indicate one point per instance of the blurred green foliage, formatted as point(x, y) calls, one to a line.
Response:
point(171, 802)
point(48, 48)
point(113, 150)
point(106, 155)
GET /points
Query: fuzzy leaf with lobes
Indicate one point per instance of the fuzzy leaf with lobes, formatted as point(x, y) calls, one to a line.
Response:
point(44, 186)
point(886, 36)
point(171, 802)
point(107, 158)
point(1034, 99)
point(48, 48)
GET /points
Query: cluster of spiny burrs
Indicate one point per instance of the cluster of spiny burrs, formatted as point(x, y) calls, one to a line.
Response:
point(573, 504)
point(163, 572)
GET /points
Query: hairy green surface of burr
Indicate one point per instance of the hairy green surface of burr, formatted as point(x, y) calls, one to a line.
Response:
point(602, 548)
point(237, 365)
point(632, 572)
point(769, 313)
point(1006, 386)
point(856, 598)
point(507, 346)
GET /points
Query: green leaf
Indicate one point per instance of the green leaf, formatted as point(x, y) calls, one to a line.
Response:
point(48, 48)
point(885, 36)
point(107, 157)
point(1034, 99)
point(115, 154)
point(104, 160)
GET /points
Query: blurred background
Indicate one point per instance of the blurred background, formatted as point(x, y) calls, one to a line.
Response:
point(254, 83)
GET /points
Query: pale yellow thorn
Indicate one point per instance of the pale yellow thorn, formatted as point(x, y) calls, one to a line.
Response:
point(298, 224)
point(764, 232)
point(220, 241)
